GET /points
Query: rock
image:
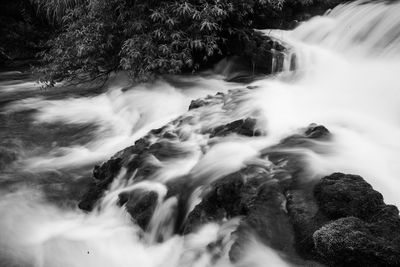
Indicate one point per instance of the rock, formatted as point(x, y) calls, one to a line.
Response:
point(131, 157)
point(343, 221)
point(140, 205)
point(311, 134)
point(170, 135)
point(339, 220)
point(166, 150)
point(107, 170)
point(305, 218)
point(246, 127)
point(197, 104)
point(201, 102)
point(143, 158)
point(315, 131)
point(222, 201)
point(340, 195)
point(265, 219)
point(349, 242)
point(103, 177)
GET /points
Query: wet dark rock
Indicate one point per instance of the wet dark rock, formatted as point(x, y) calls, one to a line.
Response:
point(343, 221)
point(263, 198)
point(310, 135)
point(181, 188)
point(142, 159)
point(341, 195)
point(222, 201)
point(339, 220)
point(246, 127)
point(103, 177)
point(315, 131)
point(170, 135)
point(297, 185)
point(131, 157)
point(158, 130)
point(208, 100)
point(349, 242)
point(165, 150)
point(140, 205)
point(305, 218)
point(107, 170)
point(146, 168)
point(267, 57)
point(366, 232)
point(265, 219)
point(197, 104)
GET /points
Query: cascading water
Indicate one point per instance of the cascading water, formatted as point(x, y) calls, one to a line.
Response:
point(346, 78)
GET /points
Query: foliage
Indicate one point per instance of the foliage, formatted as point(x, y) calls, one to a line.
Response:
point(148, 37)
point(153, 37)
point(21, 30)
point(88, 46)
point(55, 10)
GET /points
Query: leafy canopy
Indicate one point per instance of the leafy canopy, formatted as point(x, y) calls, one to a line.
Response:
point(145, 37)
point(151, 37)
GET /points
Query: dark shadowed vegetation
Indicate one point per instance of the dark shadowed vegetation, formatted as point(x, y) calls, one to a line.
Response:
point(22, 31)
point(91, 38)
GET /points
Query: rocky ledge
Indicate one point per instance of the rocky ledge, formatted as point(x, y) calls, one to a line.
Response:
point(336, 220)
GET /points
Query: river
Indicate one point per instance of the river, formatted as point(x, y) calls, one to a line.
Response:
point(347, 78)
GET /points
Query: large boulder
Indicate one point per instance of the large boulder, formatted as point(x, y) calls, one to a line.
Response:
point(341, 195)
point(339, 220)
point(365, 231)
point(350, 242)
point(343, 221)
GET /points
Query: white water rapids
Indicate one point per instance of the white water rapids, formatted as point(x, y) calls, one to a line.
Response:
point(347, 78)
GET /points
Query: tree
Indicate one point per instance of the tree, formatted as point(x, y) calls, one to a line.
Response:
point(152, 37)
point(146, 37)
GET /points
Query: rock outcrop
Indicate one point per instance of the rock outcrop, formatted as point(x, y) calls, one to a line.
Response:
point(246, 127)
point(140, 204)
point(102, 178)
point(364, 231)
point(336, 220)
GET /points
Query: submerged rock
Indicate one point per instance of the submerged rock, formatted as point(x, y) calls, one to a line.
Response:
point(265, 219)
point(140, 205)
point(222, 201)
point(197, 103)
point(246, 127)
point(103, 176)
point(209, 100)
point(339, 220)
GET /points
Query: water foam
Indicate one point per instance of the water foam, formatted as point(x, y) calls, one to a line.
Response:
point(346, 79)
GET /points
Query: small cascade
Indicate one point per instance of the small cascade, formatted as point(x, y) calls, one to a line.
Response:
point(226, 180)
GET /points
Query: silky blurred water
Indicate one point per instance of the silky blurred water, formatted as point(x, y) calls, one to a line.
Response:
point(346, 78)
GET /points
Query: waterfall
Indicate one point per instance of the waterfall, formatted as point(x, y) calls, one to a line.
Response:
point(342, 72)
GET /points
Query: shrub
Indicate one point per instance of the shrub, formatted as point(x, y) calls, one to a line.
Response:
point(152, 37)
point(55, 10)
point(148, 37)
point(21, 31)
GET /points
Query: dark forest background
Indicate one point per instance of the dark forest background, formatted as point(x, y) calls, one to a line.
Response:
point(83, 40)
